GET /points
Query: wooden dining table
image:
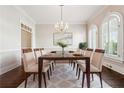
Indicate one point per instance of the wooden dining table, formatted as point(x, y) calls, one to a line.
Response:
point(59, 56)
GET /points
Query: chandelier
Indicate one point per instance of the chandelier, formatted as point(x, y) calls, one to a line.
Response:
point(61, 26)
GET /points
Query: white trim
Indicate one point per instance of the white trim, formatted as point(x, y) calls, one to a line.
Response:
point(8, 68)
point(9, 50)
point(113, 58)
point(89, 35)
point(121, 35)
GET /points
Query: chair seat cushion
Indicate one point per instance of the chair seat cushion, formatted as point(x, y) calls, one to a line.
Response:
point(92, 68)
point(34, 68)
point(81, 62)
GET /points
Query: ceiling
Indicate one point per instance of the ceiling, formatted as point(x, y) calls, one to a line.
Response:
point(50, 14)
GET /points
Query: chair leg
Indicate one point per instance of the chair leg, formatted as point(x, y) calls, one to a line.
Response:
point(100, 76)
point(34, 77)
point(83, 78)
point(50, 71)
point(26, 79)
point(92, 77)
point(55, 62)
point(71, 63)
point(53, 66)
point(79, 73)
point(44, 76)
point(48, 74)
point(77, 70)
point(74, 66)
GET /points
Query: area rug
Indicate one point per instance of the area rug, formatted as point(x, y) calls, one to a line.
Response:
point(64, 77)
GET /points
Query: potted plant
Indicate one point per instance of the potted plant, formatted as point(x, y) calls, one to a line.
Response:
point(62, 45)
point(83, 45)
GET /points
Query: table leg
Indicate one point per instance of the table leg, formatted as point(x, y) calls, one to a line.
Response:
point(40, 66)
point(88, 72)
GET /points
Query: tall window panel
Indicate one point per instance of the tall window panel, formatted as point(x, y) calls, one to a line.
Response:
point(112, 35)
point(93, 37)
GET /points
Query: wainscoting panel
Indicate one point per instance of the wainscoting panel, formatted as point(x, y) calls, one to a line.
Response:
point(9, 60)
point(117, 66)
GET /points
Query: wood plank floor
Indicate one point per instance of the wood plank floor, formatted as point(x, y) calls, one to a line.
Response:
point(16, 76)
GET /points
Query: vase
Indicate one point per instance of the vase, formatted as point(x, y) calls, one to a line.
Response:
point(63, 51)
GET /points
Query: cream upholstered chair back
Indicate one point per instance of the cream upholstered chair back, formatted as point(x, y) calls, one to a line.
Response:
point(28, 58)
point(97, 58)
point(43, 52)
point(37, 53)
point(88, 52)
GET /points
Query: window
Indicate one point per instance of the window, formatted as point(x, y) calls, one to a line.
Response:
point(26, 36)
point(112, 35)
point(93, 36)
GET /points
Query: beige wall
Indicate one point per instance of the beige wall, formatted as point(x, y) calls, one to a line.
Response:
point(10, 36)
point(97, 20)
point(44, 35)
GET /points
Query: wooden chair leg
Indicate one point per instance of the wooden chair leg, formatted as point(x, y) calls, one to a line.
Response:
point(79, 73)
point(74, 66)
point(92, 77)
point(71, 63)
point(26, 79)
point(55, 62)
point(44, 76)
point(53, 66)
point(48, 74)
point(34, 77)
point(83, 78)
point(100, 76)
point(77, 70)
point(50, 71)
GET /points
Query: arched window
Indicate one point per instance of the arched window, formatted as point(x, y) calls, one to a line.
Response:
point(112, 35)
point(93, 37)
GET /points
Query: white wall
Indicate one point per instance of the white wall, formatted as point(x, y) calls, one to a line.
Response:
point(44, 35)
point(10, 36)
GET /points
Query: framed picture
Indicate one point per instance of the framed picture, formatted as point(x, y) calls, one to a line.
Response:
point(65, 37)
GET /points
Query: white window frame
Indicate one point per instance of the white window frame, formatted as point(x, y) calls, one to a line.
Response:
point(120, 37)
point(90, 35)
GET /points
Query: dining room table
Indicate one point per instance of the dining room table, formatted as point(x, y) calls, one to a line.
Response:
point(54, 56)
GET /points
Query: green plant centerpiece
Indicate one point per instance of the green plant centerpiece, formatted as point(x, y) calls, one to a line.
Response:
point(83, 45)
point(62, 45)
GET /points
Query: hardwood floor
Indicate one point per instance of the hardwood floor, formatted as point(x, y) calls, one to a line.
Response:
point(12, 78)
point(16, 77)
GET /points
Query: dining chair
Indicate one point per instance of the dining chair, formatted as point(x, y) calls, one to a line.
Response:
point(52, 62)
point(76, 53)
point(95, 65)
point(38, 53)
point(88, 52)
point(31, 66)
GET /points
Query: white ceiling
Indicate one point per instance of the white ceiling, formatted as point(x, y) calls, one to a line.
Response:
point(50, 14)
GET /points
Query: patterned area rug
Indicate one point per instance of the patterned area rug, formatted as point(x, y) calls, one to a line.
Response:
point(64, 77)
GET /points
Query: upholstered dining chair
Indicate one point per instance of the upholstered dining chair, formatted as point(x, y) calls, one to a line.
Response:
point(95, 66)
point(30, 65)
point(78, 52)
point(51, 62)
point(88, 52)
point(38, 53)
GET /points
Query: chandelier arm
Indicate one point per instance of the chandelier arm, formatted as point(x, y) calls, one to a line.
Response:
point(61, 26)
